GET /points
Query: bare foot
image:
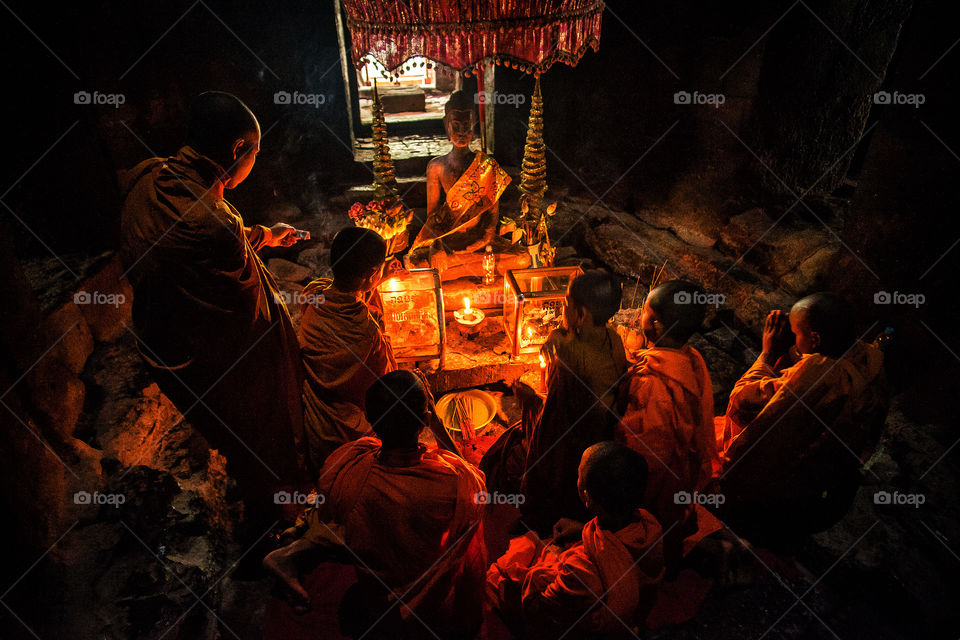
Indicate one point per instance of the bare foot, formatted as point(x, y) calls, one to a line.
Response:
point(280, 563)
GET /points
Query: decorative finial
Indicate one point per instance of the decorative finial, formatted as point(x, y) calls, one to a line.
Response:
point(384, 175)
point(533, 171)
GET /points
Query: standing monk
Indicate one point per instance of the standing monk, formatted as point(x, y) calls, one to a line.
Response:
point(207, 314)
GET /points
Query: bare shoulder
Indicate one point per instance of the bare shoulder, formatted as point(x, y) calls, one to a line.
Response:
point(436, 166)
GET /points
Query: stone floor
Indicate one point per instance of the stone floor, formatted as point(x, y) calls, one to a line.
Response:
point(884, 571)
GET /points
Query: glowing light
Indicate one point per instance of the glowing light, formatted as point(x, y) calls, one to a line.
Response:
point(466, 305)
point(543, 362)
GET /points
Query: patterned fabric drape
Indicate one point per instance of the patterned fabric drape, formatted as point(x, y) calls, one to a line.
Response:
point(529, 35)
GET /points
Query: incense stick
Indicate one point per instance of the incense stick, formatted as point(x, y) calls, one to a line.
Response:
point(657, 274)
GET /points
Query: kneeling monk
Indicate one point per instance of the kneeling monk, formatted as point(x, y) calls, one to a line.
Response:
point(208, 317)
point(344, 345)
point(668, 414)
point(586, 363)
point(605, 582)
point(408, 517)
point(795, 437)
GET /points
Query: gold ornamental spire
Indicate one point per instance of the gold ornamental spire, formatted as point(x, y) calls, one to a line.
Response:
point(533, 171)
point(384, 175)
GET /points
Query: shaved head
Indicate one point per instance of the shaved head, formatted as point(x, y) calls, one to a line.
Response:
point(396, 408)
point(614, 476)
point(356, 254)
point(826, 321)
point(679, 307)
point(598, 292)
point(217, 120)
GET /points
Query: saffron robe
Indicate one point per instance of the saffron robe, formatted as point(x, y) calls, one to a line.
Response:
point(797, 437)
point(473, 195)
point(564, 588)
point(209, 319)
point(345, 350)
point(416, 528)
point(668, 419)
point(582, 384)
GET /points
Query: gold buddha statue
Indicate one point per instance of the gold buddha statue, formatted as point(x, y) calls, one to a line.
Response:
point(463, 192)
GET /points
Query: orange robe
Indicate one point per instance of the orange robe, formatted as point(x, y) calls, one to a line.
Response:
point(795, 439)
point(344, 351)
point(209, 319)
point(668, 419)
point(413, 524)
point(474, 194)
point(577, 413)
point(564, 589)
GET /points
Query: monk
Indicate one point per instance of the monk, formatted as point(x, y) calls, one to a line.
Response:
point(208, 318)
point(463, 192)
point(667, 406)
point(598, 579)
point(407, 516)
point(797, 428)
point(343, 342)
point(586, 362)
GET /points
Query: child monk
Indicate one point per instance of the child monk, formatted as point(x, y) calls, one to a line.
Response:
point(343, 343)
point(408, 517)
point(586, 362)
point(600, 578)
point(795, 433)
point(667, 402)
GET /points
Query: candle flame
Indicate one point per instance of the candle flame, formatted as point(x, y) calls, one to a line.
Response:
point(543, 362)
point(466, 304)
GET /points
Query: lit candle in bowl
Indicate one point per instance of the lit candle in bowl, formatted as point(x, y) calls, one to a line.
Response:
point(468, 318)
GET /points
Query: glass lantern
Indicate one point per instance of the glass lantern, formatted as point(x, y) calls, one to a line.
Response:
point(413, 315)
point(533, 302)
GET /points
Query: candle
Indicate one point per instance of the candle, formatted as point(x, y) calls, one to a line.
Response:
point(543, 374)
point(468, 317)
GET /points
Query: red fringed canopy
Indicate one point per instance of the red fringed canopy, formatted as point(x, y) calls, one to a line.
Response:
point(529, 35)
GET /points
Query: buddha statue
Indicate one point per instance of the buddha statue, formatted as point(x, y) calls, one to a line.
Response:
point(463, 192)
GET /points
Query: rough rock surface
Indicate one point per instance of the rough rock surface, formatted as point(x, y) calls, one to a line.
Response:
point(288, 271)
